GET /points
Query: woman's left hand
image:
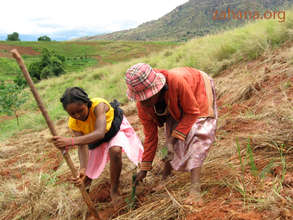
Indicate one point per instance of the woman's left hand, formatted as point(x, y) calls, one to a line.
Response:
point(62, 142)
point(171, 141)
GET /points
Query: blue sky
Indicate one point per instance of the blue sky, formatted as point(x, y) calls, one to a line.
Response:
point(67, 19)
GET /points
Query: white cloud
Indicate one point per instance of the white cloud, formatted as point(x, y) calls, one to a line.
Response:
point(94, 16)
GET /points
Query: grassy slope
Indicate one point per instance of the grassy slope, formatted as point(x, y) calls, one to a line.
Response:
point(255, 102)
point(79, 54)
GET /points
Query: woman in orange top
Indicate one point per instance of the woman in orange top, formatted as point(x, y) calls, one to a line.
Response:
point(184, 100)
point(101, 127)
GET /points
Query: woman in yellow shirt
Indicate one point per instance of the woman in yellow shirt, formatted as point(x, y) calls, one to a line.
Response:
point(101, 132)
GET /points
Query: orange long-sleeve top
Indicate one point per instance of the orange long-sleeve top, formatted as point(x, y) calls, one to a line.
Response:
point(189, 96)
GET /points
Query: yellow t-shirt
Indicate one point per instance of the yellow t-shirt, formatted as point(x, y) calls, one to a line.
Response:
point(88, 126)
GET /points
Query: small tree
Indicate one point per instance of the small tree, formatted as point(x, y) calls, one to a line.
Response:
point(12, 97)
point(51, 64)
point(44, 38)
point(13, 37)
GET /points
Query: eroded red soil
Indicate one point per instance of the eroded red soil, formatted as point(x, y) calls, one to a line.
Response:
point(5, 50)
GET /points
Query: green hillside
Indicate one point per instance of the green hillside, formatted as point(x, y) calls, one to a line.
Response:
point(79, 55)
point(199, 18)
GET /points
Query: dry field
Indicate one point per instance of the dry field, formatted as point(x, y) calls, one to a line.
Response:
point(248, 174)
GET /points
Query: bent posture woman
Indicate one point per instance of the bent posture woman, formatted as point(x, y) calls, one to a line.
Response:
point(184, 100)
point(101, 133)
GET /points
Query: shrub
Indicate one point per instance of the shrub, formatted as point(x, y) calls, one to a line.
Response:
point(44, 38)
point(51, 64)
point(46, 72)
point(35, 71)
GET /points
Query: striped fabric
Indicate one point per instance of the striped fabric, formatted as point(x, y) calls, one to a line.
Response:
point(178, 134)
point(143, 82)
point(145, 165)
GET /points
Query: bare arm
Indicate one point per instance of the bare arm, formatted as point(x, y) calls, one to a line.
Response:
point(99, 132)
point(82, 152)
point(100, 126)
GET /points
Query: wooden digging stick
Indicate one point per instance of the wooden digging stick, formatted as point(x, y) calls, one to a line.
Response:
point(50, 124)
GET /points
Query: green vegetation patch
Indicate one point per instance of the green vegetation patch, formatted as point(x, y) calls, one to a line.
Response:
point(79, 55)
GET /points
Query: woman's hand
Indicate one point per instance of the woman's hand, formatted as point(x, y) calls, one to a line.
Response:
point(62, 142)
point(171, 141)
point(140, 176)
point(81, 178)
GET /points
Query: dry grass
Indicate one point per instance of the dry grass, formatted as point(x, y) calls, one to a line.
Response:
point(255, 102)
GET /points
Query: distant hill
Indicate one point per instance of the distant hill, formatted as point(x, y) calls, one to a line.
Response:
point(198, 18)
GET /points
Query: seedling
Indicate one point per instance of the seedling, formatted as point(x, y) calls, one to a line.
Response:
point(131, 201)
point(12, 97)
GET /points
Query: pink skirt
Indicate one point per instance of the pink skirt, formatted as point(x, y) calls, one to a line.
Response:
point(126, 138)
point(189, 154)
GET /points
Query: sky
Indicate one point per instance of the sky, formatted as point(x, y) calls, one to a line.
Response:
point(77, 18)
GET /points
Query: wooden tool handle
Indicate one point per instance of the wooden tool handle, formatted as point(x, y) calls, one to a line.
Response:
point(50, 124)
point(26, 74)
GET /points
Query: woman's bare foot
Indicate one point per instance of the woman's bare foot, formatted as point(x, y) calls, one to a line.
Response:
point(116, 198)
point(194, 197)
point(115, 195)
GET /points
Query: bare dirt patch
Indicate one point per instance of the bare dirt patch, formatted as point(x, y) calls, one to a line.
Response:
point(5, 50)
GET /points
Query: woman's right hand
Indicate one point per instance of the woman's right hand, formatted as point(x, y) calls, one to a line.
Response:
point(140, 176)
point(81, 178)
point(62, 142)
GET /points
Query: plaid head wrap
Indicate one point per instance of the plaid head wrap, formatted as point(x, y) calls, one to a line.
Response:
point(143, 82)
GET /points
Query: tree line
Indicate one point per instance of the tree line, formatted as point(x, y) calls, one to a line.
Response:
point(15, 37)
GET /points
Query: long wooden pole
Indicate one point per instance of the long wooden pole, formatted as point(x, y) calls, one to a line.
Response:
point(50, 124)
